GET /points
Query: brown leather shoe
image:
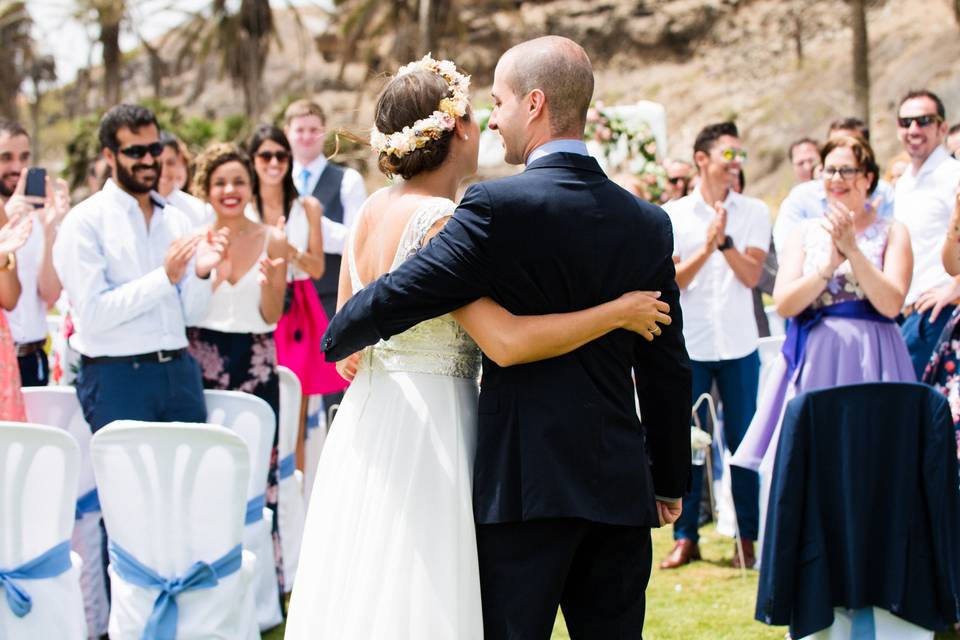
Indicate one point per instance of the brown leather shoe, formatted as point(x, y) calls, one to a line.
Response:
point(683, 552)
point(749, 559)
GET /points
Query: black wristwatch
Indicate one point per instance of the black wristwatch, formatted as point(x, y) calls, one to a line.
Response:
point(726, 244)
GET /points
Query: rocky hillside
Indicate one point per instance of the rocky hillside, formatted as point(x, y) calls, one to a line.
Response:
point(781, 68)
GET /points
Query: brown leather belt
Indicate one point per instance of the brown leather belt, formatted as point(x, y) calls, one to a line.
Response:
point(28, 348)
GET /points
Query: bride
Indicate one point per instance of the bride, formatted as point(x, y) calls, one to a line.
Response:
point(389, 548)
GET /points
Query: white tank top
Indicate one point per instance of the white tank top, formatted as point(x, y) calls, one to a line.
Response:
point(235, 308)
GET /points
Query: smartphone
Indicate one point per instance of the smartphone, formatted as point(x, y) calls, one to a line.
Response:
point(36, 183)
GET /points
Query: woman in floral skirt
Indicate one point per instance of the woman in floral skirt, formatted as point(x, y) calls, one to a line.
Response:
point(234, 343)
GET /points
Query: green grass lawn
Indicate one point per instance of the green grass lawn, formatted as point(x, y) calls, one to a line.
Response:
point(706, 599)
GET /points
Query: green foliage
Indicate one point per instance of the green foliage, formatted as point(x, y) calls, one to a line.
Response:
point(82, 149)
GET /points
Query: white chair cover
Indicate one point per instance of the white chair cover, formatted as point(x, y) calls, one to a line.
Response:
point(174, 494)
point(38, 493)
point(253, 420)
point(59, 407)
point(885, 626)
point(291, 508)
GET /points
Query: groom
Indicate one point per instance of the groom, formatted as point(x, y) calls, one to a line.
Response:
point(567, 481)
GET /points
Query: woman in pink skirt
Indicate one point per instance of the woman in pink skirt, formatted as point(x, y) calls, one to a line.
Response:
point(277, 203)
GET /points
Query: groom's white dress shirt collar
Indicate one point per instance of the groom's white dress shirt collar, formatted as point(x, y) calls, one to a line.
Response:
point(558, 146)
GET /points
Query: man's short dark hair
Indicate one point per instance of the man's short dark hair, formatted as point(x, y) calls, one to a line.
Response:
point(131, 116)
point(954, 129)
point(924, 93)
point(797, 143)
point(713, 132)
point(12, 128)
point(850, 123)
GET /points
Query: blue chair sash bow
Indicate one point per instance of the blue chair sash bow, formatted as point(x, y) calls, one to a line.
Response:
point(286, 467)
point(49, 564)
point(796, 339)
point(87, 503)
point(162, 622)
point(313, 420)
point(255, 509)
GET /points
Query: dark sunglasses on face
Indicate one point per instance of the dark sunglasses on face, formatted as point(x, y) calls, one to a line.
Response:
point(137, 151)
point(676, 180)
point(923, 121)
point(267, 156)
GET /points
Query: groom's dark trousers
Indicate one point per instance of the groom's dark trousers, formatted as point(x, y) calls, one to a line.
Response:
point(565, 475)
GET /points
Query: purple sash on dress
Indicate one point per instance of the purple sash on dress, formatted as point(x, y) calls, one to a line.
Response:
point(801, 326)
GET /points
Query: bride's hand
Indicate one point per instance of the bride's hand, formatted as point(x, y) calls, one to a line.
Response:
point(347, 368)
point(642, 312)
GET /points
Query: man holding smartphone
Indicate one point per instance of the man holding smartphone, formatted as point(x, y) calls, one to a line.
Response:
point(38, 280)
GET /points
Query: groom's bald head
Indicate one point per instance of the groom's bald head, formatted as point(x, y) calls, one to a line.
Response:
point(561, 69)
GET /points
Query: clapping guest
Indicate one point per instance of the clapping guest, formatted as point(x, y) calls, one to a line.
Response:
point(13, 233)
point(233, 341)
point(136, 274)
point(804, 157)
point(40, 286)
point(304, 320)
point(842, 281)
point(720, 244)
point(679, 175)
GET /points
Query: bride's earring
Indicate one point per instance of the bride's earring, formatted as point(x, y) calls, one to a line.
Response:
point(466, 137)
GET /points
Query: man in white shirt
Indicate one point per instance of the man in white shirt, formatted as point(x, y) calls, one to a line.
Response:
point(339, 189)
point(720, 243)
point(809, 199)
point(924, 201)
point(39, 284)
point(136, 274)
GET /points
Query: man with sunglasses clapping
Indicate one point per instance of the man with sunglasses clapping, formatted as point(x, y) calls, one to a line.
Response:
point(136, 274)
point(923, 203)
point(720, 244)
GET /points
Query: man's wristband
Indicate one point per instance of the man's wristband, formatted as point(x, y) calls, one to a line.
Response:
point(726, 244)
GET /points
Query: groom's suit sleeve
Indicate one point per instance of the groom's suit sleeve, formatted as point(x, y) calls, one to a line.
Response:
point(451, 271)
point(664, 387)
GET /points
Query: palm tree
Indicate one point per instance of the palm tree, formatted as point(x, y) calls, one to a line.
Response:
point(242, 38)
point(108, 17)
point(16, 52)
point(861, 62)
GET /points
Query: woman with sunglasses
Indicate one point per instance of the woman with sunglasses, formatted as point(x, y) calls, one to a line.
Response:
point(842, 281)
point(277, 203)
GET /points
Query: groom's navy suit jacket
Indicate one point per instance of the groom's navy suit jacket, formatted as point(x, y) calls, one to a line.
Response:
point(560, 437)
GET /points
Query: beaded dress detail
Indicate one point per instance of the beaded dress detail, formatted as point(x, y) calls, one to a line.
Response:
point(439, 345)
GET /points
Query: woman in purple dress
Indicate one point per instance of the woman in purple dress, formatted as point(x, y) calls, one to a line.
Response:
point(842, 281)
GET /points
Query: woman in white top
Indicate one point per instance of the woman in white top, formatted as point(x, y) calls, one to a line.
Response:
point(234, 343)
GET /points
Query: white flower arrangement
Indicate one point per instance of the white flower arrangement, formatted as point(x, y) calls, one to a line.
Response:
point(415, 136)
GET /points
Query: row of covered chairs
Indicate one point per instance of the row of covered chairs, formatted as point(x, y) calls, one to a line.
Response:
point(156, 508)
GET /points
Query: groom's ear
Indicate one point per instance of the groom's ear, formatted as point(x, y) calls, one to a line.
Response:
point(536, 104)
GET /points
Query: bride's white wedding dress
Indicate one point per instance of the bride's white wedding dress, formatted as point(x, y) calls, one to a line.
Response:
point(389, 548)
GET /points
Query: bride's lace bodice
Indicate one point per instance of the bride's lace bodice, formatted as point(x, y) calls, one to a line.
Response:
point(438, 346)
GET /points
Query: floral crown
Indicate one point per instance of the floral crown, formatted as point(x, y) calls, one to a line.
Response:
point(422, 131)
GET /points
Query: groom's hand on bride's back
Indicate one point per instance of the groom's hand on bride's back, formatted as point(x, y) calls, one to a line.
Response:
point(669, 512)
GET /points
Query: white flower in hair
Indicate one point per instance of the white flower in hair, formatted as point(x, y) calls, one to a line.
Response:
point(421, 132)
